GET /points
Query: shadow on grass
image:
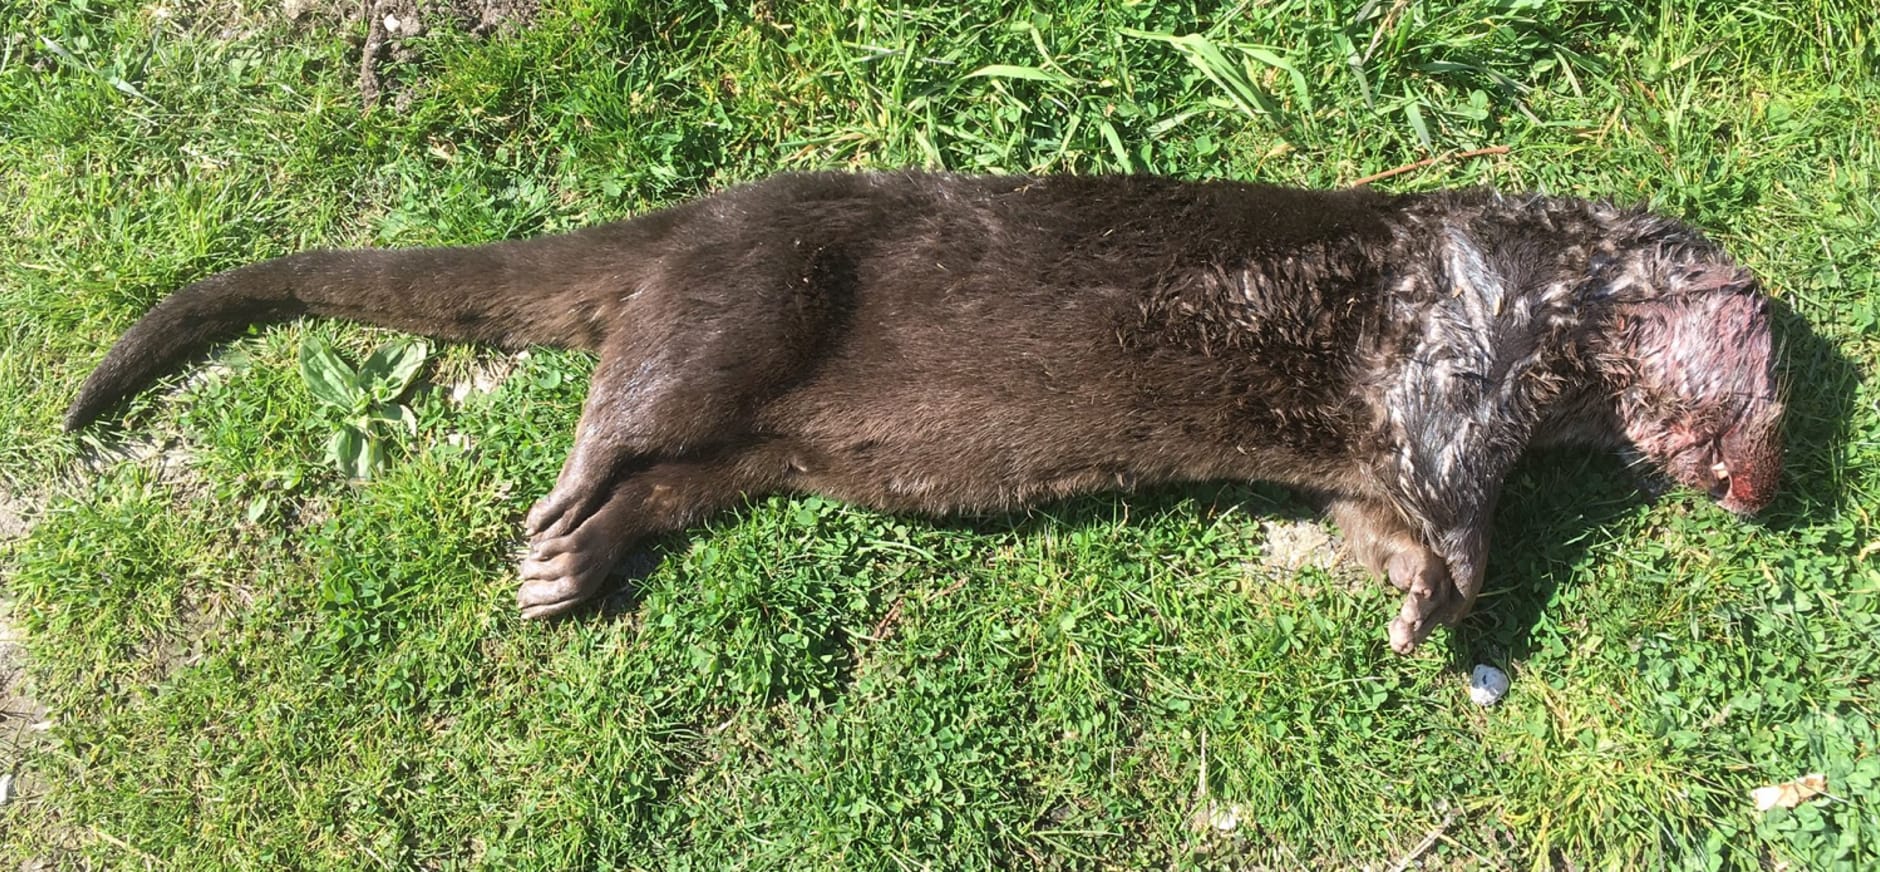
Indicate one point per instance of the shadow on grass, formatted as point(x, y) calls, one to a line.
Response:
point(1821, 384)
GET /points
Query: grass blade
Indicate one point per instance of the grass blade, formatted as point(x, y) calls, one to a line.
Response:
point(1011, 71)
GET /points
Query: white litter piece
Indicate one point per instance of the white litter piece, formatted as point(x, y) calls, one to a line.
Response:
point(1487, 685)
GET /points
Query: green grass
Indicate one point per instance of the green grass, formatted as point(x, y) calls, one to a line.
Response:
point(250, 662)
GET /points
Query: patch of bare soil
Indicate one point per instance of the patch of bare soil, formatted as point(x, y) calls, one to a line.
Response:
point(391, 24)
point(21, 717)
point(12, 517)
point(482, 376)
point(1295, 544)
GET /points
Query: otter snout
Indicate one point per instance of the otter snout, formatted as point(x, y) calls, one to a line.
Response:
point(1748, 489)
point(1747, 475)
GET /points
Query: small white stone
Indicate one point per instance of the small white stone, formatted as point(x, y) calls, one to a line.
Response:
point(1224, 818)
point(1487, 685)
point(391, 24)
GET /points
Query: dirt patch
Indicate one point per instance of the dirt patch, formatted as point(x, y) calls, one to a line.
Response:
point(389, 27)
point(481, 376)
point(12, 518)
point(391, 24)
point(1292, 545)
point(22, 718)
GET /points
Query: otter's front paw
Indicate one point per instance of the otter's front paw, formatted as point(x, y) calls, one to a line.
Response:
point(1430, 598)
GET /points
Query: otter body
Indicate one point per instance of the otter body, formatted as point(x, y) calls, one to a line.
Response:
point(945, 343)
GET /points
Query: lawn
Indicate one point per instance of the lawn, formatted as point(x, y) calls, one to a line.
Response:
point(220, 652)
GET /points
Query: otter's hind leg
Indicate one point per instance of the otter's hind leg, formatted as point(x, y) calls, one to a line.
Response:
point(1388, 546)
point(644, 404)
point(657, 446)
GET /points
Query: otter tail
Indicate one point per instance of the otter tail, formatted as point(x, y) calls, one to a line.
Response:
point(549, 291)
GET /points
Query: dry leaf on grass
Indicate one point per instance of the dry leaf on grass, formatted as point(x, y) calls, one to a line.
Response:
point(1790, 794)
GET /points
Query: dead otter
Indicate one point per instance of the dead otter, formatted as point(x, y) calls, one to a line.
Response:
point(947, 343)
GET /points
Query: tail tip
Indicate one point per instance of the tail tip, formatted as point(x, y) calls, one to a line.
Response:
point(83, 410)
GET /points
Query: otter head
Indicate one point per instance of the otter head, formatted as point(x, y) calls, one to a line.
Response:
point(1700, 398)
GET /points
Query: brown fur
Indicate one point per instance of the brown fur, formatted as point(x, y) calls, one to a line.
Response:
point(944, 343)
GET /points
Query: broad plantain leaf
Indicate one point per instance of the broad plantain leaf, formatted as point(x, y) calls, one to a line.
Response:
point(329, 378)
point(347, 452)
point(374, 460)
point(391, 368)
point(394, 413)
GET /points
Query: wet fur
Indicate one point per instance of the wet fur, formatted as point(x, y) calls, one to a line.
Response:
point(944, 343)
